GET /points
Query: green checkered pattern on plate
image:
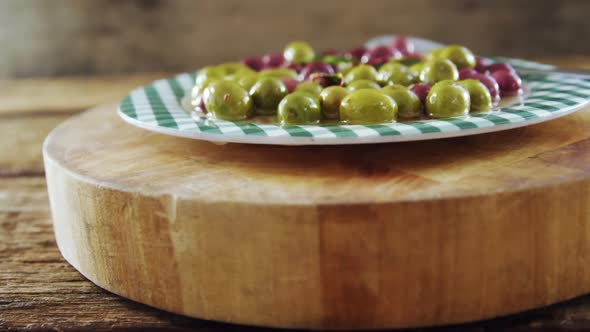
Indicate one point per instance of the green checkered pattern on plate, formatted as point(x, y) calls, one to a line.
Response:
point(159, 105)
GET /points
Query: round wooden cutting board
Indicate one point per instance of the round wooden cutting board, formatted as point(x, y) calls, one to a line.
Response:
point(335, 237)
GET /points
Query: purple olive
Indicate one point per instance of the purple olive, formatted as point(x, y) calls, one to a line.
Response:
point(509, 82)
point(316, 67)
point(326, 80)
point(481, 64)
point(491, 84)
point(297, 67)
point(403, 45)
point(380, 55)
point(421, 90)
point(466, 73)
point(273, 60)
point(356, 52)
point(494, 67)
point(254, 63)
point(290, 83)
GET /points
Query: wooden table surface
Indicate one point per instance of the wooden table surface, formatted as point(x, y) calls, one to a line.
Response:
point(40, 291)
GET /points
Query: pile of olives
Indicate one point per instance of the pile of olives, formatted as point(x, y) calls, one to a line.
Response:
point(361, 86)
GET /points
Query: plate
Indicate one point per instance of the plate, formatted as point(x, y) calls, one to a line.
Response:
point(158, 107)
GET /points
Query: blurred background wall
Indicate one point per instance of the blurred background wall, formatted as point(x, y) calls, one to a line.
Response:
point(63, 37)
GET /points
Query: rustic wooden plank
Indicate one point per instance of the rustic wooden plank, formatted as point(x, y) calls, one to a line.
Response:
point(66, 95)
point(21, 139)
point(40, 291)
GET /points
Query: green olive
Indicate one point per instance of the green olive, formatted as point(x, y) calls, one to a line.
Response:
point(227, 100)
point(361, 72)
point(312, 88)
point(330, 100)
point(266, 94)
point(367, 106)
point(299, 108)
point(481, 99)
point(232, 68)
point(461, 56)
point(247, 81)
point(299, 52)
point(278, 73)
point(209, 73)
point(417, 67)
point(433, 54)
point(345, 67)
point(408, 104)
point(396, 73)
point(447, 99)
point(362, 84)
point(438, 70)
point(199, 88)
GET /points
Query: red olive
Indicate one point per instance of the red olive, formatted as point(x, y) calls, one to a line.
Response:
point(273, 60)
point(254, 63)
point(509, 82)
point(403, 44)
point(421, 90)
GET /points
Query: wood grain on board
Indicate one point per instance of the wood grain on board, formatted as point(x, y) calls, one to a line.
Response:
point(382, 236)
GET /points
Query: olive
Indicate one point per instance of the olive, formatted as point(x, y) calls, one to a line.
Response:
point(417, 67)
point(461, 56)
point(421, 90)
point(330, 99)
point(408, 104)
point(380, 55)
point(362, 84)
point(396, 73)
point(247, 81)
point(480, 97)
point(227, 100)
point(232, 68)
point(325, 80)
point(273, 60)
point(253, 63)
point(433, 54)
point(367, 106)
point(403, 44)
point(299, 52)
point(438, 70)
point(361, 72)
point(466, 73)
point(199, 88)
point(239, 73)
point(355, 53)
point(344, 67)
point(278, 73)
point(266, 94)
point(209, 73)
point(481, 64)
point(299, 108)
point(509, 82)
point(312, 88)
point(494, 67)
point(447, 99)
point(296, 67)
point(290, 83)
point(316, 67)
point(490, 84)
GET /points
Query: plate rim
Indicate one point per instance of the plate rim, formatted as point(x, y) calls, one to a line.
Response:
point(304, 140)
